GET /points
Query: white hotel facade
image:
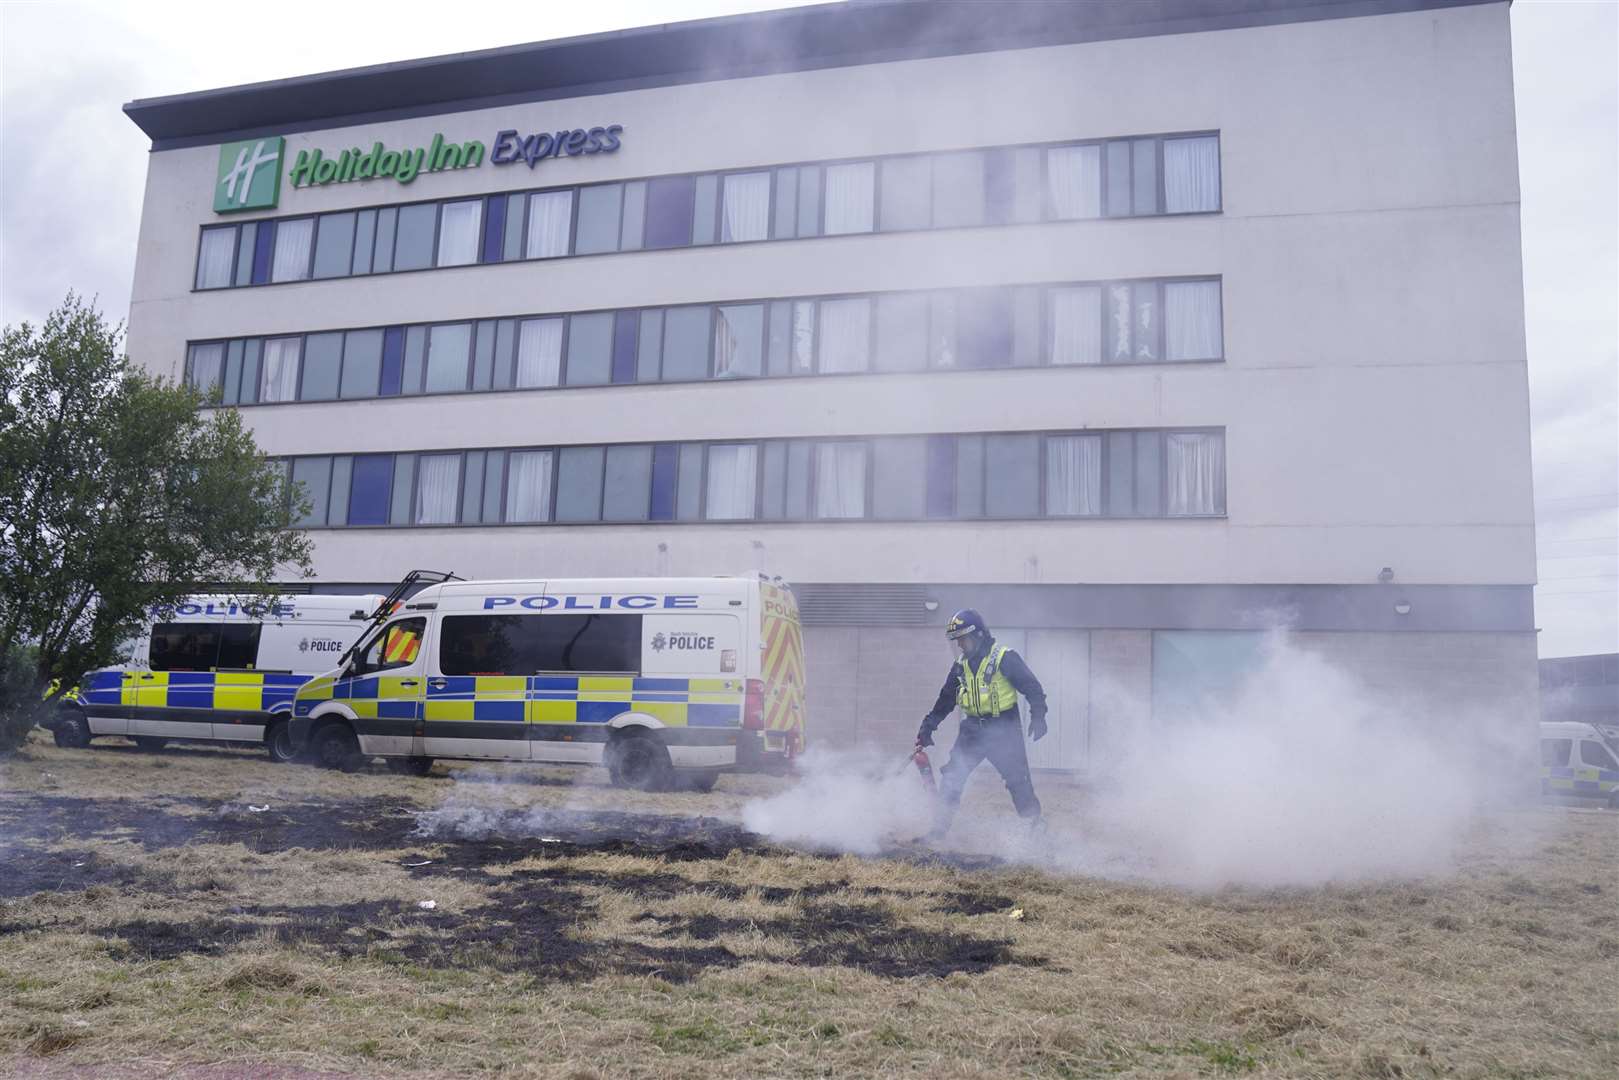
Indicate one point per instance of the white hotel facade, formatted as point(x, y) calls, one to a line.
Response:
point(1139, 327)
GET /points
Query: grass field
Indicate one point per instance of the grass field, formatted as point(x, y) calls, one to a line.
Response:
point(154, 923)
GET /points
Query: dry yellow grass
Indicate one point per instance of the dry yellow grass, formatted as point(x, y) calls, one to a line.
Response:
point(151, 925)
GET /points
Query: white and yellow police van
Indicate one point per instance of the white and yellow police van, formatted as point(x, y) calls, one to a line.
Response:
point(1579, 761)
point(216, 669)
point(665, 681)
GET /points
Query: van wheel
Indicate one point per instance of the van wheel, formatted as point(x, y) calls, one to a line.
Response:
point(278, 741)
point(72, 732)
point(410, 766)
point(150, 743)
point(638, 759)
point(698, 780)
point(335, 747)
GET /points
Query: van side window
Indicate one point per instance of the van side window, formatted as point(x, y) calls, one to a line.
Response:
point(526, 644)
point(185, 646)
point(1596, 754)
point(238, 646)
point(1554, 752)
point(397, 646)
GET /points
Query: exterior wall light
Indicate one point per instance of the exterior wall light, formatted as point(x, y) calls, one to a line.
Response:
point(931, 605)
point(1402, 607)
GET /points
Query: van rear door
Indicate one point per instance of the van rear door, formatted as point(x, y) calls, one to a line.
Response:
point(782, 669)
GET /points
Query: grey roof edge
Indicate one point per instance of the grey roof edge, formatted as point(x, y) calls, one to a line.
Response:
point(806, 38)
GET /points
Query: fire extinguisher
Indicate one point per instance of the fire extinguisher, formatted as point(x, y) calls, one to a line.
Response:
point(924, 766)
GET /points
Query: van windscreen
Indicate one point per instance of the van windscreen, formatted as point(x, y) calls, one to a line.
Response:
point(527, 644)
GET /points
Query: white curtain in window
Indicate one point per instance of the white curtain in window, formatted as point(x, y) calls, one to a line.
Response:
point(459, 232)
point(845, 335)
point(803, 336)
point(1192, 174)
point(278, 368)
point(849, 197)
point(205, 364)
point(217, 258)
point(539, 352)
point(1074, 178)
point(840, 480)
point(438, 488)
point(1192, 320)
point(736, 346)
point(747, 207)
point(731, 482)
point(1076, 325)
point(1073, 475)
point(1196, 467)
point(528, 486)
point(550, 214)
point(292, 244)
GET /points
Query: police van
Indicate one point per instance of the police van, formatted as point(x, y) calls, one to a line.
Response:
point(1579, 761)
point(665, 681)
point(216, 669)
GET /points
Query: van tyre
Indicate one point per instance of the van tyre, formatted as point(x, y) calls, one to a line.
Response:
point(410, 766)
point(335, 747)
point(278, 741)
point(72, 732)
point(150, 743)
point(639, 760)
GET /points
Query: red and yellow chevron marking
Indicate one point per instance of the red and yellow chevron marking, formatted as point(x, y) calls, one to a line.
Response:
point(783, 665)
point(401, 646)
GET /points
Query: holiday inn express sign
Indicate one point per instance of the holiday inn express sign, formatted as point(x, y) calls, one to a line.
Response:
point(249, 175)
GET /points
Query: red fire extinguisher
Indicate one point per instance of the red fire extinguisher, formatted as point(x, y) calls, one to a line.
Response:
point(924, 766)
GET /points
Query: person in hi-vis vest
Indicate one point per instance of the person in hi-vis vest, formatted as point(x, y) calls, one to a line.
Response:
point(985, 682)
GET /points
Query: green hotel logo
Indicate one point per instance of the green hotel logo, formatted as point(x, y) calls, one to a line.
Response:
point(249, 175)
point(313, 167)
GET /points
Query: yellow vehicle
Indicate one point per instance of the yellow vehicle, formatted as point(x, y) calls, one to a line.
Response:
point(665, 681)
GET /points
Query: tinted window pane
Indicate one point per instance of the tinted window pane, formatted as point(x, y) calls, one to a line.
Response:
point(382, 259)
point(1144, 182)
point(528, 644)
point(483, 356)
point(941, 476)
point(338, 503)
point(670, 202)
point(649, 350)
point(184, 646)
point(629, 483)
point(590, 349)
point(579, 483)
point(369, 489)
point(322, 355)
point(685, 343)
point(984, 327)
point(404, 486)
point(1149, 479)
point(702, 219)
point(598, 230)
point(233, 373)
point(238, 646)
point(246, 251)
point(958, 190)
point(899, 487)
point(907, 197)
point(415, 358)
point(1118, 178)
point(739, 341)
point(663, 482)
point(294, 241)
point(633, 230)
point(334, 245)
point(970, 476)
point(365, 239)
point(786, 203)
point(448, 348)
point(362, 363)
point(809, 200)
point(413, 247)
point(313, 475)
point(1013, 467)
point(472, 488)
point(902, 332)
point(1121, 473)
point(773, 485)
point(689, 491)
point(745, 207)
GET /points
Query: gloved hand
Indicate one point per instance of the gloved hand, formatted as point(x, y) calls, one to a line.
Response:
point(1037, 727)
point(924, 736)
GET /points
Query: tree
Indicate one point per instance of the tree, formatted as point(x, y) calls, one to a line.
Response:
point(118, 496)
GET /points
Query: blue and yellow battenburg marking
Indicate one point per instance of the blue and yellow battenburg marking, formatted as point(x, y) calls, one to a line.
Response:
point(235, 691)
point(533, 699)
point(1581, 780)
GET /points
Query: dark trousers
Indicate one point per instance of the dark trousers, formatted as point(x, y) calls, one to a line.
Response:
point(999, 739)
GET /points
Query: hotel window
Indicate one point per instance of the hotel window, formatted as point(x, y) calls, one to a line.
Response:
point(845, 335)
point(334, 245)
point(627, 484)
point(907, 193)
point(840, 480)
point(413, 239)
point(590, 349)
point(438, 488)
point(216, 258)
point(1073, 475)
point(204, 368)
point(732, 476)
point(293, 241)
point(539, 352)
point(1074, 181)
point(745, 209)
point(280, 369)
point(1192, 321)
point(322, 360)
point(448, 349)
point(739, 341)
point(849, 194)
point(460, 231)
point(1191, 174)
point(579, 483)
point(528, 486)
point(1195, 469)
point(550, 217)
point(362, 363)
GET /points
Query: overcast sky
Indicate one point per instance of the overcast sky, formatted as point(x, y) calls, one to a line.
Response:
point(73, 169)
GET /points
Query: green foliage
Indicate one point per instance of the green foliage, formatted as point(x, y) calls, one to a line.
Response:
point(117, 496)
